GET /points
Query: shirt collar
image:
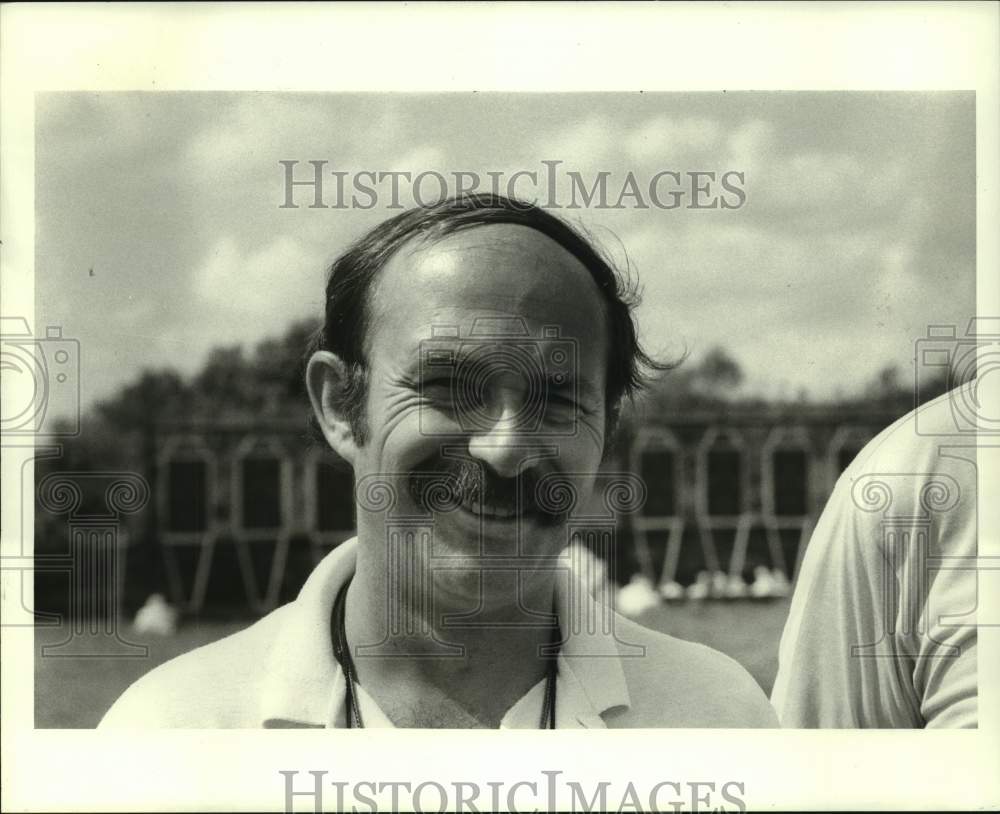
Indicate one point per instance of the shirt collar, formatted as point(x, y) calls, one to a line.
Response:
point(304, 685)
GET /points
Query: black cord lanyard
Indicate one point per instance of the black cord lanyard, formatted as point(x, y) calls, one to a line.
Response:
point(343, 655)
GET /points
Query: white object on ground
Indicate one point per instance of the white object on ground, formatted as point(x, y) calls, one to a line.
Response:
point(701, 587)
point(763, 583)
point(720, 584)
point(672, 590)
point(736, 588)
point(637, 597)
point(156, 616)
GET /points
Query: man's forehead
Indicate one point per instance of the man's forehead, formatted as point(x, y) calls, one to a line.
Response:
point(503, 268)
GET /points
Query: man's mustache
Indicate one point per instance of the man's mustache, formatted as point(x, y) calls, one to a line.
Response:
point(444, 484)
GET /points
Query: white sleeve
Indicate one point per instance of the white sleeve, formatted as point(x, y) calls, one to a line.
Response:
point(881, 630)
point(838, 665)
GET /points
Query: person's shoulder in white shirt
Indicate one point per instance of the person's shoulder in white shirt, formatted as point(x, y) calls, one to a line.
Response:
point(882, 628)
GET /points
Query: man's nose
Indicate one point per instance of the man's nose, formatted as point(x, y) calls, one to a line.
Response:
point(507, 438)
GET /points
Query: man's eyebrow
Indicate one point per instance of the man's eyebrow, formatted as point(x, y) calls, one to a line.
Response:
point(451, 354)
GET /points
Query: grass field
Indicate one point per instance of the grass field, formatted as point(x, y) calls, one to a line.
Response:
point(74, 693)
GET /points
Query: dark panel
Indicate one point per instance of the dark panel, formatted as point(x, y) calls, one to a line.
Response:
point(334, 497)
point(187, 496)
point(693, 557)
point(226, 594)
point(845, 456)
point(725, 482)
point(657, 470)
point(261, 493)
point(791, 482)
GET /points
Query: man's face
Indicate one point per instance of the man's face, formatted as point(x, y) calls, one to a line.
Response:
point(487, 352)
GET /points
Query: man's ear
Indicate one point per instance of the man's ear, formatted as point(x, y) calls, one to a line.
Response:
point(326, 377)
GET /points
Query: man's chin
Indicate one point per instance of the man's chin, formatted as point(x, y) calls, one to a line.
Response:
point(470, 587)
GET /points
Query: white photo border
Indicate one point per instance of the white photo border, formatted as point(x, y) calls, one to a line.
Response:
point(515, 47)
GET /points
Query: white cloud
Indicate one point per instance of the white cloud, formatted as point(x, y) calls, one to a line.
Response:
point(815, 180)
point(417, 160)
point(662, 137)
point(777, 300)
point(750, 145)
point(243, 295)
point(584, 144)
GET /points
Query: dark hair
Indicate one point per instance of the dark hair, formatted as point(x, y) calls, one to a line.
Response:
point(352, 276)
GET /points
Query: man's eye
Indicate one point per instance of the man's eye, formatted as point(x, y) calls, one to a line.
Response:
point(561, 400)
point(560, 408)
point(437, 387)
point(451, 389)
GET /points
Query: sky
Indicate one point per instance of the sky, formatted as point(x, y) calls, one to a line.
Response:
point(160, 231)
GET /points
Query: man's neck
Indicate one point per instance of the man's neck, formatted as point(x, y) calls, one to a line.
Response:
point(423, 672)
